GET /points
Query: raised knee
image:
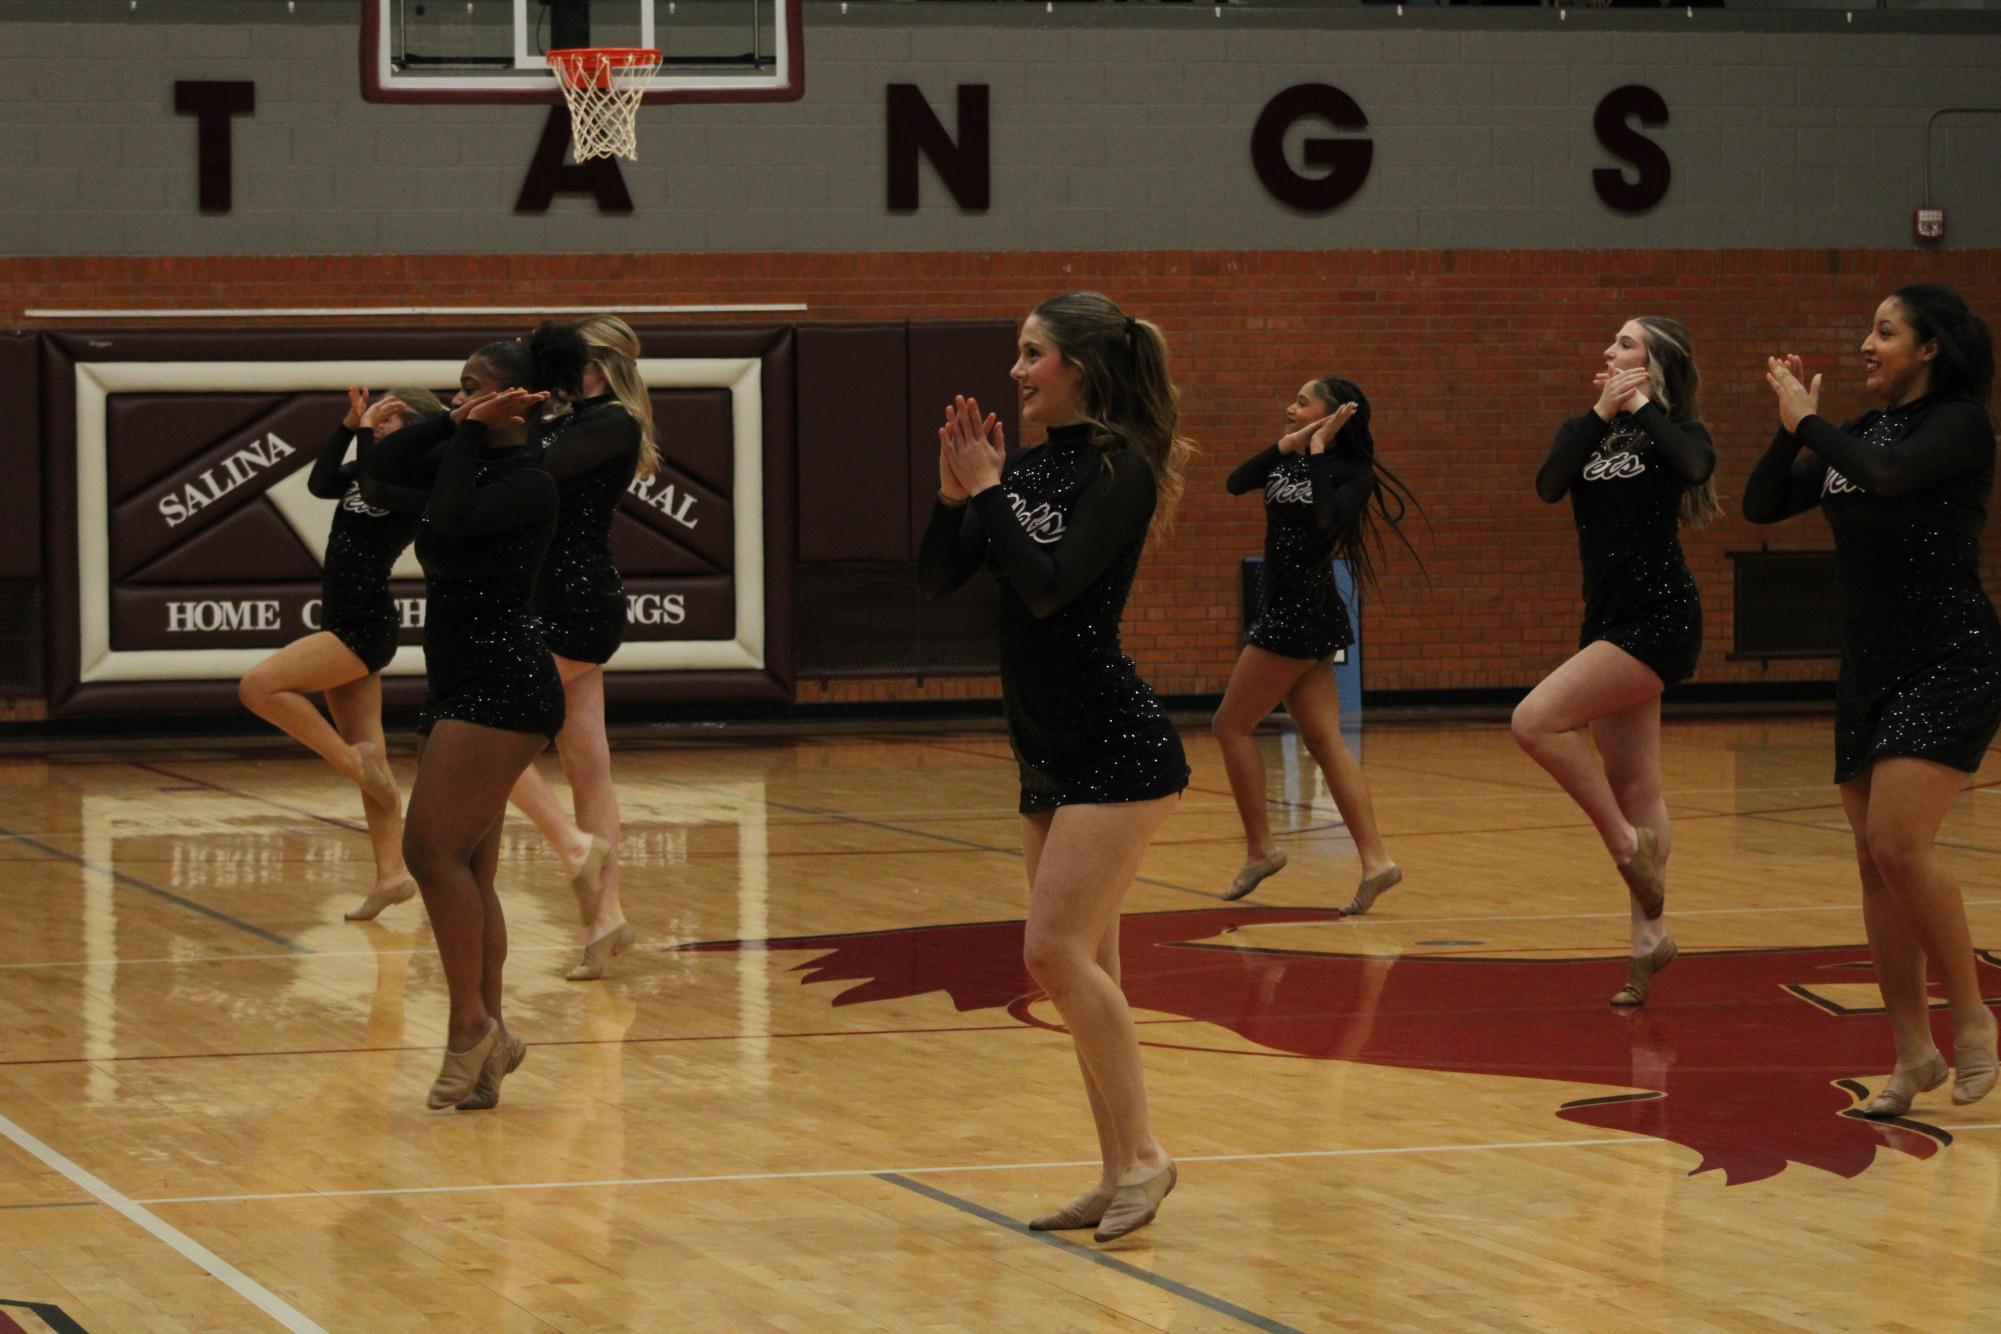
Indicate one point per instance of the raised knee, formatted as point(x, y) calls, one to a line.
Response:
point(1525, 725)
point(252, 691)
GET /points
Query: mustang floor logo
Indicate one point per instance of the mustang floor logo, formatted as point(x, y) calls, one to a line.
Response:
point(1746, 1057)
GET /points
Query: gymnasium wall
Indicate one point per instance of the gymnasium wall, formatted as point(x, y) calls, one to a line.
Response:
point(1469, 286)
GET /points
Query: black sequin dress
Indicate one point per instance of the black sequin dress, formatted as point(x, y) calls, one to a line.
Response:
point(592, 455)
point(372, 525)
point(1311, 500)
point(1905, 490)
point(1062, 534)
point(1626, 479)
point(481, 542)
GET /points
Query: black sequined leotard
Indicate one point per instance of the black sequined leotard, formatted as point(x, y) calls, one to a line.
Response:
point(1626, 479)
point(1905, 491)
point(592, 456)
point(491, 514)
point(372, 525)
point(1062, 534)
point(1310, 501)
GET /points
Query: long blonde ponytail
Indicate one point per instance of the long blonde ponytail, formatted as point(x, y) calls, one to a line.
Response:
point(615, 352)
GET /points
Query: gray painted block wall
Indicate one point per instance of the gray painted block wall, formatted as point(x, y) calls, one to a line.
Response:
point(1105, 135)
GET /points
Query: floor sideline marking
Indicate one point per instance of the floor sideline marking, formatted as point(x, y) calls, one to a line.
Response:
point(241, 1283)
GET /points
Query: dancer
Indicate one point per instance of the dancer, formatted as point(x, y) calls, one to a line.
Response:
point(1317, 482)
point(1062, 526)
point(594, 454)
point(495, 699)
point(372, 524)
point(1905, 488)
point(1632, 466)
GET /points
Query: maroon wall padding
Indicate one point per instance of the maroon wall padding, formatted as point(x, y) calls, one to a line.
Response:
point(21, 458)
point(696, 472)
point(970, 358)
point(854, 468)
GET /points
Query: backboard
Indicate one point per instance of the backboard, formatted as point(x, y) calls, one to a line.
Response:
point(494, 50)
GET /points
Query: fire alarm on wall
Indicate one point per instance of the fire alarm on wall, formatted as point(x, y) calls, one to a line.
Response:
point(1930, 224)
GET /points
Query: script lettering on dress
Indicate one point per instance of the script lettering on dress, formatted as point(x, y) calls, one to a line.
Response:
point(1044, 522)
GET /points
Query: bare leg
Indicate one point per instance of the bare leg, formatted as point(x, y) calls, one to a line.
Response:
point(585, 751)
point(534, 798)
point(1900, 963)
point(1034, 832)
point(1315, 705)
point(276, 689)
point(1088, 860)
point(1629, 744)
point(493, 955)
point(1907, 800)
point(460, 794)
point(1257, 684)
point(1597, 681)
point(357, 711)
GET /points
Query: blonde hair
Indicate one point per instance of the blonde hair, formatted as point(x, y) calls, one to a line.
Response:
point(614, 349)
point(1676, 382)
point(1129, 395)
point(421, 403)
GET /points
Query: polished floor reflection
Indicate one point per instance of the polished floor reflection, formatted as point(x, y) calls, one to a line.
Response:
point(823, 1090)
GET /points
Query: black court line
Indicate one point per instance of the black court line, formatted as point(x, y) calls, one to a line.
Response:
point(884, 825)
point(129, 882)
point(64, 1204)
point(52, 1316)
point(1099, 1258)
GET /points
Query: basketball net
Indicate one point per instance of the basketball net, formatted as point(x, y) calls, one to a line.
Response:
point(604, 86)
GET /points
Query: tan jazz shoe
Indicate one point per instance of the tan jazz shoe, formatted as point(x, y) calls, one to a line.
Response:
point(1252, 873)
point(1973, 1062)
point(378, 780)
point(1640, 972)
point(505, 1059)
point(1643, 876)
point(1133, 1207)
point(1084, 1211)
point(461, 1069)
point(588, 882)
point(382, 896)
point(1372, 888)
point(601, 952)
point(1905, 1083)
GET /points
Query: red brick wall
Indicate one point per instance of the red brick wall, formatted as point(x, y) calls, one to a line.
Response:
point(1470, 359)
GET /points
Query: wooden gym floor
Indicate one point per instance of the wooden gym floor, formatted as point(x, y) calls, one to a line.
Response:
point(823, 1093)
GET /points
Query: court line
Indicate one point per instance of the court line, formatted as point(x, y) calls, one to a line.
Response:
point(120, 878)
point(865, 823)
point(239, 1282)
point(1099, 1258)
point(835, 1173)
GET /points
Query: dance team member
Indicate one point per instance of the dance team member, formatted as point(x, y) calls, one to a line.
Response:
point(372, 524)
point(1635, 466)
point(594, 454)
point(1062, 525)
point(1317, 482)
point(1905, 488)
point(495, 699)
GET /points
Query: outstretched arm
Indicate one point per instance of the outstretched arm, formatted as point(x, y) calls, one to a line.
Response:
point(1250, 475)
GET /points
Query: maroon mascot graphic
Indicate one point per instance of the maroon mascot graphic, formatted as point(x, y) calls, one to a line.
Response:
point(1748, 1063)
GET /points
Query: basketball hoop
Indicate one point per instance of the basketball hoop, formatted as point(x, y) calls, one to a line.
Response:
point(604, 85)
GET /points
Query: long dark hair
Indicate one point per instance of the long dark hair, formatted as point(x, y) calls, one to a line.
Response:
point(552, 359)
point(1129, 394)
point(1676, 385)
point(1965, 361)
point(1362, 546)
